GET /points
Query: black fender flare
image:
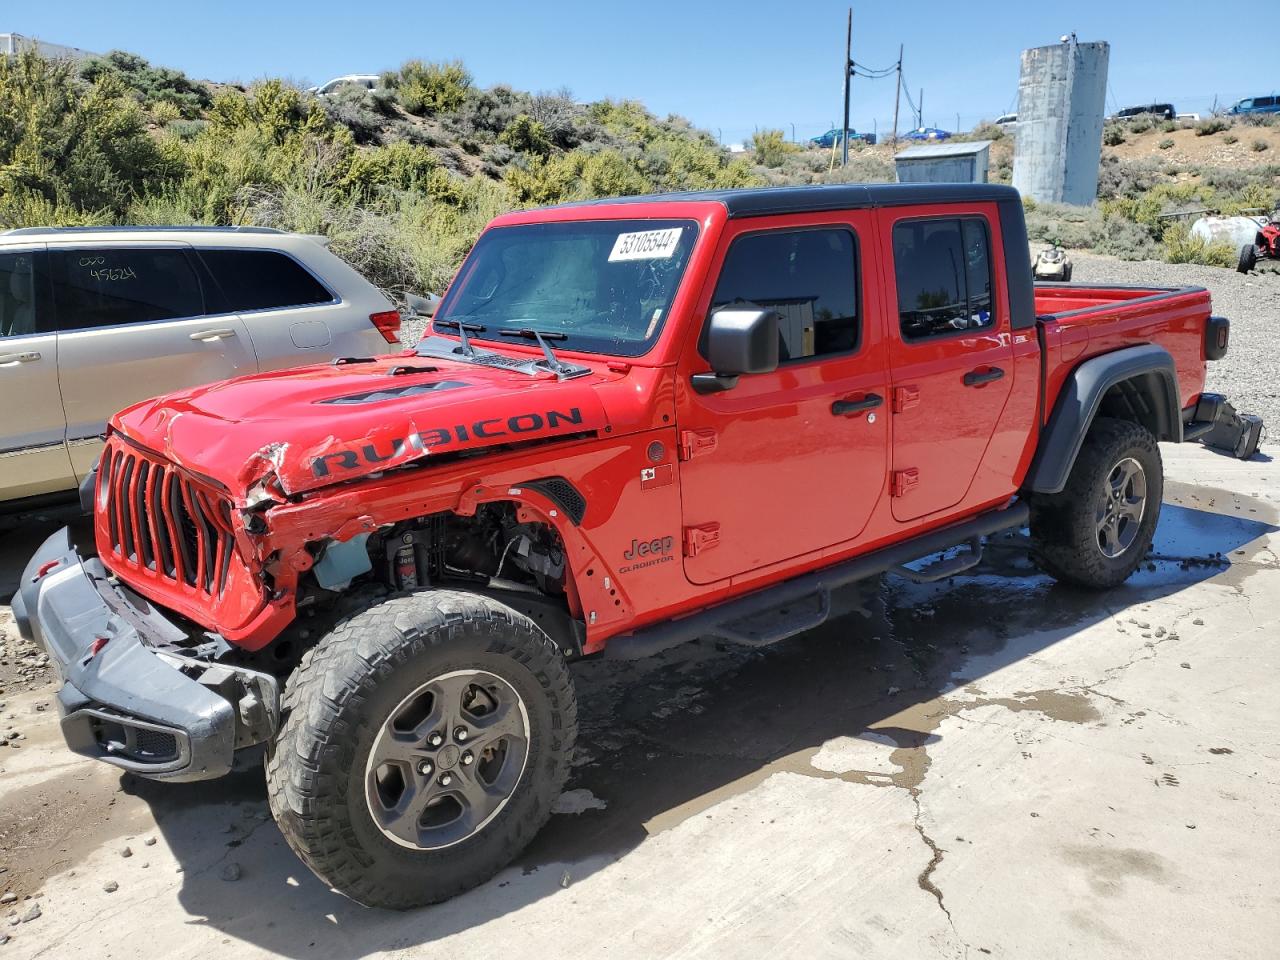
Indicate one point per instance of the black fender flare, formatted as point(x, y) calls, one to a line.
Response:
point(1081, 396)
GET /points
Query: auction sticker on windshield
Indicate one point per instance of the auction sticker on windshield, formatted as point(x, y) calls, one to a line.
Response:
point(645, 245)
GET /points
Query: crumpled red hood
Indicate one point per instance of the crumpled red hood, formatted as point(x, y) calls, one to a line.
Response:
point(318, 425)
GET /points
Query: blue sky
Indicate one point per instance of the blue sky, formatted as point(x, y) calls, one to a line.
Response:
point(729, 67)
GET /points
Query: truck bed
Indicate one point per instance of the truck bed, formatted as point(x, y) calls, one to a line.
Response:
point(1081, 320)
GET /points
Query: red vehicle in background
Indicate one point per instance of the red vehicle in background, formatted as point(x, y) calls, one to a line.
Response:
point(1266, 246)
point(633, 423)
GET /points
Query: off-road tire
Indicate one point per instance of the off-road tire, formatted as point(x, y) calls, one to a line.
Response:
point(1064, 529)
point(1066, 273)
point(1248, 258)
point(336, 703)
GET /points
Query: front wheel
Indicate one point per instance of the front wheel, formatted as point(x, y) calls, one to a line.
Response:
point(1248, 258)
point(1096, 531)
point(427, 737)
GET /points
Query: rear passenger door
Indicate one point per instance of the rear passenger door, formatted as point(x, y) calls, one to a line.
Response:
point(287, 310)
point(133, 324)
point(950, 352)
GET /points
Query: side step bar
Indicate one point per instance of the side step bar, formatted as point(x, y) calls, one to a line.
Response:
point(722, 620)
point(941, 569)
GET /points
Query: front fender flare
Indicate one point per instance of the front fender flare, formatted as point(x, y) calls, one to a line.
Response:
point(1081, 397)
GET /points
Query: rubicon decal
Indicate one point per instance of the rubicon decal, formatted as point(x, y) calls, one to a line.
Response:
point(372, 453)
point(648, 553)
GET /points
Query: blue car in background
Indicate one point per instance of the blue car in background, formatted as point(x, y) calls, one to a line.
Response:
point(927, 133)
point(832, 137)
point(1269, 104)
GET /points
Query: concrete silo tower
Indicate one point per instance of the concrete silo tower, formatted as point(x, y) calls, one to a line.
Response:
point(1061, 101)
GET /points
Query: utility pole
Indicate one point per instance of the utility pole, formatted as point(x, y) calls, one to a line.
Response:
point(897, 96)
point(920, 109)
point(848, 71)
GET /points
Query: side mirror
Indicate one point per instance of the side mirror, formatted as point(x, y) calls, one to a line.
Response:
point(422, 306)
point(740, 339)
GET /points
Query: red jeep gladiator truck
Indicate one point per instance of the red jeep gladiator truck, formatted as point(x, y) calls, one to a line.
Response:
point(632, 423)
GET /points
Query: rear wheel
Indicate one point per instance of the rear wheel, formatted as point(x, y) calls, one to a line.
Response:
point(1248, 258)
point(1066, 273)
point(1099, 528)
point(427, 737)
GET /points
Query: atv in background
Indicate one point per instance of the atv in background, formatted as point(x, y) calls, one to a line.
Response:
point(1052, 264)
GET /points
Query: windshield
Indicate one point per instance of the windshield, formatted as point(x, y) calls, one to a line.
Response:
point(606, 285)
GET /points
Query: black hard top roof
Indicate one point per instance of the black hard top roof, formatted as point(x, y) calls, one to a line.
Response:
point(766, 201)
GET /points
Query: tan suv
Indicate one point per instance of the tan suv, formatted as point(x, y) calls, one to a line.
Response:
point(95, 319)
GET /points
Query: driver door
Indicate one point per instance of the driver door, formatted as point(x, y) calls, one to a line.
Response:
point(776, 467)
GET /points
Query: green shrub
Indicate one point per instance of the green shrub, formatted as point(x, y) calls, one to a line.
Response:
point(164, 112)
point(1230, 139)
point(864, 168)
point(558, 114)
point(1168, 126)
point(1140, 124)
point(527, 135)
point(354, 108)
point(1211, 125)
point(1068, 226)
point(1258, 146)
point(428, 89)
point(1181, 247)
point(1261, 119)
point(1165, 144)
point(609, 174)
point(70, 152)
point(1113, 135)
point(186, 129)
point(541, 180)
point(1124, 238)
point(150, 85)
point(770, 147)
point(397, 166)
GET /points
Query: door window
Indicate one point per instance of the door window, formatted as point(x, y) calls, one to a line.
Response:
point(810, 277)
point(108, 286)
point(262, 280)
point(943, 271)
point(17, 295)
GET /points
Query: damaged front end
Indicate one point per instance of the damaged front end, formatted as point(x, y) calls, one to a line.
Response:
point(139, 691)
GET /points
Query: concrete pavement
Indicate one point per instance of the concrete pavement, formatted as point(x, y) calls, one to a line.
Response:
point(995, 766)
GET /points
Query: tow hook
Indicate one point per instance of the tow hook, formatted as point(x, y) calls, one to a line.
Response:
point(45, 568)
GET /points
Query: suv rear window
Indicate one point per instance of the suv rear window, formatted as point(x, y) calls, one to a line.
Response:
point(262, 280)
point(110, 286)
point(943, 269)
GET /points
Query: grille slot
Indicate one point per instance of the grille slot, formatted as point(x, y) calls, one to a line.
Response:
point(163, 522)
point(560, 491)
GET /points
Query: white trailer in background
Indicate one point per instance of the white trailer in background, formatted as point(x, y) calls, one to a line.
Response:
point(13, 43)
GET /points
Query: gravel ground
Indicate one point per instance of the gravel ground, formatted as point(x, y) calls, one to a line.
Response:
point(1249, 375)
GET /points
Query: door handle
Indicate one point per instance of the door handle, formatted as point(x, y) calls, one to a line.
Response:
point(28, 357)
point(216, 334)
point(842, 408)
point(976, 378)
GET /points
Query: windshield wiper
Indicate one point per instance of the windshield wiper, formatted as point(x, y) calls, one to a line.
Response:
point(463, 327)
point(542, 336)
